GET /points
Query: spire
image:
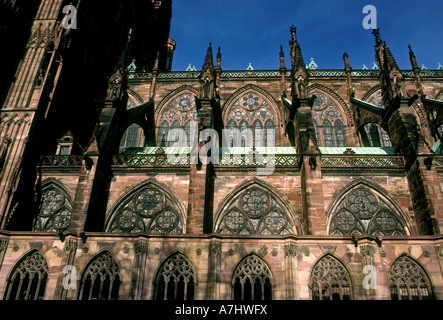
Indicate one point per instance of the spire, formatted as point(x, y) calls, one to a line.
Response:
point(209, 62)
point(282, 58)
point(296, 56)
point(219, 56)
point(376, 33)
point(389, 58)
point(413, 60)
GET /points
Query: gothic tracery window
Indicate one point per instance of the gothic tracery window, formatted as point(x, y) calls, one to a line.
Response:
point(178, 114)
point(330, 280)
point(149, 210)
point(375, 136)
point(254, 121)
point(28, 278)
point(55, 210)
point(328, 122)
point(133, 137)
point(363, 212)
point(175, 280)
point(377, 99)
point(252, 280)
point(101, 279)
point(255, 211)
point(408, 281)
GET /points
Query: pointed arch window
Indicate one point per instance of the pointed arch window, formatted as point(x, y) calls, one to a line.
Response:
point(55, 210)
point(134, 136)
point(28, 278)
point(101, 279)
point(408, 281)
point(177, 114)
point(149, 210)
point(328, 122)
point(163, 134)
point(330, 280)
point(363, 212)
point(375, 136)
point(252, 280)
point(175, 280)
point(251, 112)
point(255, 211)
point(232, 138)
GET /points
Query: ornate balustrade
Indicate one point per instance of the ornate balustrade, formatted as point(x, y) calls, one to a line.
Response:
point(61, 161)
point(136, 160)
point(359, 161)
point(279, 160)
point(438, 161)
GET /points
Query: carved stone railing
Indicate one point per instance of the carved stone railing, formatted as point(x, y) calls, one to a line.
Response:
point(279, 160)
point(138, 160)
point(61, 161)
point(362, 161)
point(438, 161)
point(250, 73)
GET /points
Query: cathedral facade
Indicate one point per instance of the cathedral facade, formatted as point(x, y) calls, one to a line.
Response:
point(321, 184)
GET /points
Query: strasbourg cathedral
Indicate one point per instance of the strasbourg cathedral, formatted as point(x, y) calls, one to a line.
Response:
point(88, 190)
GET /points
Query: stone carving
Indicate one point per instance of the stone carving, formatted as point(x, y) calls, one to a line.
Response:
point(330, 280)
point(55, 211)
point(408, 281)
point(255, 211)
point(149, 210)
point(362, 212)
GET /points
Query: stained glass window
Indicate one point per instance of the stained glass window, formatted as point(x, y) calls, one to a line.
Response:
point(363, 212)
point(375, 136)
point(101, 279)
point(133, 137)
point(253, 112)
point(175, 280)
point(28, 278)
point(177, 114)
point(328, 122)
point(252, 280)
point(330, 280)
point(408, 281)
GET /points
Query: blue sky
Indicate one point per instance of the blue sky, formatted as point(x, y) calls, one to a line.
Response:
point(251, 31)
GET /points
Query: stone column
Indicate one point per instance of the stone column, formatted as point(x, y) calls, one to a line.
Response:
point(139, 270)
point(290, 268)
point(214, 269)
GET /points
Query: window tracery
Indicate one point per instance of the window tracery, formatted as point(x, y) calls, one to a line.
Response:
point(149, 210)
point(175, 280)
point(28, 279)
point(362, 212)
point(178, 114)
point(375, 136)
point(330, 280)
point(255, 211)
point(134, 136)
point(252, 280)
point(408, 281)
point(101, 280)
point(55, 211)
point(251, 115)
point(328, 122)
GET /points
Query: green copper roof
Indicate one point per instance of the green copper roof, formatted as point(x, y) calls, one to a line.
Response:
point(437, 147)
point(357, 150)
point(264, 150)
